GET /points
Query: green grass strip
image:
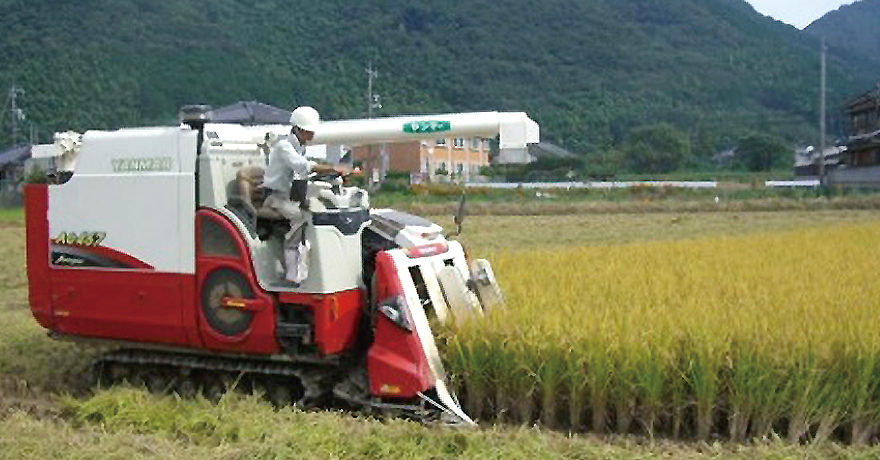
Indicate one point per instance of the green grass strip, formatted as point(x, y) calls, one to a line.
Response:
point(132, 424)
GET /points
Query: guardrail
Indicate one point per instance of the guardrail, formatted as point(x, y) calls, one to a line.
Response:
point(595, 185)
point(604, 185)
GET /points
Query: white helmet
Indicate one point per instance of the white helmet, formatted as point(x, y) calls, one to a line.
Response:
point(306, 118)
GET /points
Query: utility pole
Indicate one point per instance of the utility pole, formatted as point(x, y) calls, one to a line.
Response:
point(16, 113)
point(372, 103)
point(372, 99)
point(822, 116)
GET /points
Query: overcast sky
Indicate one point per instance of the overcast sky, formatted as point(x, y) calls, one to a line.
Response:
point(799, 13)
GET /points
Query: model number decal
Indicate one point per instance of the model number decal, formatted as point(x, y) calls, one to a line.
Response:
point(82, 239)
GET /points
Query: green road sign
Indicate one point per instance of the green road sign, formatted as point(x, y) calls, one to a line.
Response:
point(426, 127)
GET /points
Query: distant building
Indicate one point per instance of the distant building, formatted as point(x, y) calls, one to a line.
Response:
point(860, 163)
point(548, 150)
point(12, 172)
point(864, 141)
point(12, 162)
point(724, 159)
point(806, 161)
point(513, 156)
point(440, 159)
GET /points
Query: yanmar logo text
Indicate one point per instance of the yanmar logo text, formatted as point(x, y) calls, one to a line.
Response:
point(153, 164)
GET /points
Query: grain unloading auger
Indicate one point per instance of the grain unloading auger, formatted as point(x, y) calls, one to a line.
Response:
point(154, 241)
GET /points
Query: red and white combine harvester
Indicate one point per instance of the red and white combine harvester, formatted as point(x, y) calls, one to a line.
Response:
point(152, 241)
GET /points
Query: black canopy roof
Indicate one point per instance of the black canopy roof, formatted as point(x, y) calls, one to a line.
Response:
point(250, 113)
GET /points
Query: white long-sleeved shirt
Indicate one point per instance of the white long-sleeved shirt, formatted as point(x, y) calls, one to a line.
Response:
point(287, 163)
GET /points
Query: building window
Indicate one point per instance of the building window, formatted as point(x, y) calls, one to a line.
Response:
point(441, 142)
point(475, 144)
point(458, 143)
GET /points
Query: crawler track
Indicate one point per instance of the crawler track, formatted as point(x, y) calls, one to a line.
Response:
point(284, 383)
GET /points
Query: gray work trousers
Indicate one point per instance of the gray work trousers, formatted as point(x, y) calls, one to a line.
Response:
point(280, 203)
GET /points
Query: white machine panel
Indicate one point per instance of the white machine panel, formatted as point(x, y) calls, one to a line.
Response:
point(137, 187)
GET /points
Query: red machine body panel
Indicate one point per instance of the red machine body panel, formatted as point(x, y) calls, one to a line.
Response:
point(36, 198)
point(231, 253)
point(396, 362)
point(123, 299)
point(139, 307)
point(336, 317)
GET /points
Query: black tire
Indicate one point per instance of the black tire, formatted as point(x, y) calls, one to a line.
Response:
point(221, 283)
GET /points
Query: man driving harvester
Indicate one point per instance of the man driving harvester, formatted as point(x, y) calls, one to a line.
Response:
point(285, 183)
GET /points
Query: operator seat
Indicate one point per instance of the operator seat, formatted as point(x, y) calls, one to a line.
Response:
point(248, 180)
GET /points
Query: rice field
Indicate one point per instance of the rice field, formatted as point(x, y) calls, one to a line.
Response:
point(722, 326)
point(747, 335)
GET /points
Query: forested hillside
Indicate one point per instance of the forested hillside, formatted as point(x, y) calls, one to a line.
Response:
point(589, 71)
point(854, 27)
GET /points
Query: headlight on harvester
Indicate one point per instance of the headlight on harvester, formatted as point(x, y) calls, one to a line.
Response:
point(393, 310)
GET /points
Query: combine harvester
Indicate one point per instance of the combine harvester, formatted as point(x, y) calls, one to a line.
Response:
point(151, 241)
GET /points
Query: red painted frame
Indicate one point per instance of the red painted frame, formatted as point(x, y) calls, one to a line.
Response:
point(259, 338)
point(36, 207)
point(396, 362)
point(336, 317)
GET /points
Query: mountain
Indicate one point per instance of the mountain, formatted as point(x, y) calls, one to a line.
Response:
point(589, 71)
point(854, 27)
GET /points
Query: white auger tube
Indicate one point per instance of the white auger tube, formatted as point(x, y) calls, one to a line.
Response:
point(516, 129)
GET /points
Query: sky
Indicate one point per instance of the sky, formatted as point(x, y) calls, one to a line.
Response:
point(799, 13)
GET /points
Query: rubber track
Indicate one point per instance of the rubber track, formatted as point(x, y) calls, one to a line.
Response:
point(316, 380)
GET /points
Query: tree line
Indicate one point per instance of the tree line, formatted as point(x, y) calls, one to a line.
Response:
point(602, 77)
